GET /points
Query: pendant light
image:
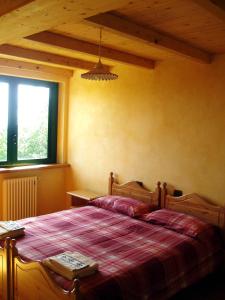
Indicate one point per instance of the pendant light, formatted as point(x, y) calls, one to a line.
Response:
point(99, 72)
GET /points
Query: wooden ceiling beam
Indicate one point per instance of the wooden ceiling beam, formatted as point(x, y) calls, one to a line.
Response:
point(39, 15)
point(50, 58)
point(7, 6)
point(62, 41)
point(8, 64)
point(215, 7)
point(134, 31)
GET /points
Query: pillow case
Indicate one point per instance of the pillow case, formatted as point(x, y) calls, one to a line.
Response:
point(124, 205)
point(179, 222)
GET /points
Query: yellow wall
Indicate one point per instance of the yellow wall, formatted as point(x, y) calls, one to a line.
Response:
point(167, 124)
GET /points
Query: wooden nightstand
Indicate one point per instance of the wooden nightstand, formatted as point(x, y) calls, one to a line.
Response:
point(81, 197)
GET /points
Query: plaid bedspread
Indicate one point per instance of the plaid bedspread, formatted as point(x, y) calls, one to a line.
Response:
point(136, 260)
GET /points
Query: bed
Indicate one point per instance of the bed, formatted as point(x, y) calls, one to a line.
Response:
point(138, 259)
point(18, 278)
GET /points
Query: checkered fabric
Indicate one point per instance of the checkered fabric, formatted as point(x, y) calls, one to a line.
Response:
point(124, 205)
point(136, 260)
point(177, 221)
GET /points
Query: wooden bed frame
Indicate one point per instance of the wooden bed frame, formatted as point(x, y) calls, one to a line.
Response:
point(31, 280)
point(136, 190)
point(195, 205)
point(4, 271)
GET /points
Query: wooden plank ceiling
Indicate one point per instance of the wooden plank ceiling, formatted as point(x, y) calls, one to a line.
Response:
point(66, 32)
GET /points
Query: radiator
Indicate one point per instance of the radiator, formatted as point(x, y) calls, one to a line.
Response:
point(19, 198)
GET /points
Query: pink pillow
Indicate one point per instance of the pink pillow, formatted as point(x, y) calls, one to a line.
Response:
point(179, 222)
point(124, 205)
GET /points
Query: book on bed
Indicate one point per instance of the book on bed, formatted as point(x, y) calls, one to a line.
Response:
point(10, 229)
point(71, 264)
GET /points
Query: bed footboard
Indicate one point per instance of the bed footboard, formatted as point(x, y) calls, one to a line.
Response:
point(31, 281)
point(4, 271)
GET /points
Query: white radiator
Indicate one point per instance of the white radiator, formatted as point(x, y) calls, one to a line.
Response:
point(19, 198)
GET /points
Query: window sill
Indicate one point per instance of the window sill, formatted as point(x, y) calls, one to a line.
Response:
point(31, 168)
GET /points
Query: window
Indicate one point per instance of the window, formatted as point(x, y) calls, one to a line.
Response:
point(28, 121)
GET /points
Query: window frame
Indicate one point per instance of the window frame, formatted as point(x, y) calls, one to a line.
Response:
point(12, 130)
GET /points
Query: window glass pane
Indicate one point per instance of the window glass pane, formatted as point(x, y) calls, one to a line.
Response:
point(33, 103)
point(4, 95)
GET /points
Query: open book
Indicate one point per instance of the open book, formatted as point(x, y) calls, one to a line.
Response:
point(10, 229)
point(71, 264)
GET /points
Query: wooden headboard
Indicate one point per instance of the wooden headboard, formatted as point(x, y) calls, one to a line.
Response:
point(136, 190)
point(195, 205)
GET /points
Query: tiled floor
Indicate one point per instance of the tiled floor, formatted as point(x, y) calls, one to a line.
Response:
point(210, 288)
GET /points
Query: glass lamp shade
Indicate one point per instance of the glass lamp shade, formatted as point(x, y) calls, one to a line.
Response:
point(99, 72)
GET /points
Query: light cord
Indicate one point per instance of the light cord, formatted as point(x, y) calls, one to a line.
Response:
point(100, 44)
